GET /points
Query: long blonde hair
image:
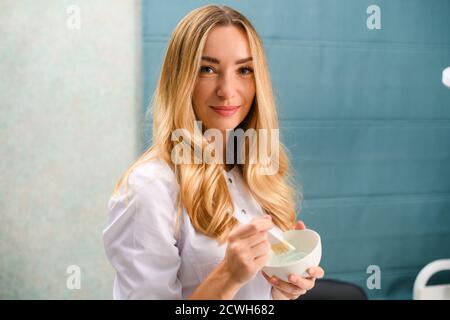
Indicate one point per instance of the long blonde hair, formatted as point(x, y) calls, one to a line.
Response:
point(203, 189)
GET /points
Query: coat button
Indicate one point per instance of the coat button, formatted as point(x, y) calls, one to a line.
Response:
point(229, 179)
point(243, 211)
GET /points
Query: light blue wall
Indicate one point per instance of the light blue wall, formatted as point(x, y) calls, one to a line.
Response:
point(366, 119)
point(69, 101)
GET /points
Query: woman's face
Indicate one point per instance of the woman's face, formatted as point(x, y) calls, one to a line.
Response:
point(225, 88)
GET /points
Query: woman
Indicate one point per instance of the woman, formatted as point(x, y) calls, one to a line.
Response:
point(173, 232)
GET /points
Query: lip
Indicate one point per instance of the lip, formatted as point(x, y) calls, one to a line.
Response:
point(225, 111)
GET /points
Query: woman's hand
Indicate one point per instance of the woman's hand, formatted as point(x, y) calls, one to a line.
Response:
point(297, 285)
point(247, 250)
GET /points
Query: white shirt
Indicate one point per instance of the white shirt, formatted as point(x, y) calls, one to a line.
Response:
point(150, 260)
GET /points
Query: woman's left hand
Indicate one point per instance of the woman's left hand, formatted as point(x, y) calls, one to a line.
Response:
point(297, 285)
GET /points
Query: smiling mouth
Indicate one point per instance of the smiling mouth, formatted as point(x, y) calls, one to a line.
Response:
point(225, 111)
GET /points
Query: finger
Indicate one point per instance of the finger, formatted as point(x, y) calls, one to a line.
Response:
point(255, 239)
point(286, 286)
point(316, 272)
point(257, 225)
point(301, 282)
point(268, 278)
point(261, 249)
point(291, 295)
point(300, 225)
point(262, 257)
point(265, 275)
point(288, 294)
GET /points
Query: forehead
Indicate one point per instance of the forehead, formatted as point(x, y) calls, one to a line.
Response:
point(227, 43)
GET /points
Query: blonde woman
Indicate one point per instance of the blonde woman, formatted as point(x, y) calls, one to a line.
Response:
point(173, 232)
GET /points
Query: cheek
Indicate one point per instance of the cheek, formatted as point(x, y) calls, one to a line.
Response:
point(201, 97)
point(203, 89)
point(249, 92)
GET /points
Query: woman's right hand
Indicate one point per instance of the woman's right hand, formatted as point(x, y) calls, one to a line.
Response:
point(248, 249)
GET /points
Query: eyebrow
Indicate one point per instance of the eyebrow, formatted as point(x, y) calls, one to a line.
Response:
point(214, 60)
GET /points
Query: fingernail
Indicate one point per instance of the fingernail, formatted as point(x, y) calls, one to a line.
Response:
point(292, 278)
point(311, 272)
point(274, 281)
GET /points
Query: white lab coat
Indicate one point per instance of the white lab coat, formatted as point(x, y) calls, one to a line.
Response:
point(150, 260)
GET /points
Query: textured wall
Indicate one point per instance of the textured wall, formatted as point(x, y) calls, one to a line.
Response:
point(366, 119)
point(68, 128)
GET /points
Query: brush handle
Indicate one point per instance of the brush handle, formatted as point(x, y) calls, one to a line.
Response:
point(275, 234)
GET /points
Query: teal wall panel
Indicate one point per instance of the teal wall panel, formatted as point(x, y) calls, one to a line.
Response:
point(365, 118)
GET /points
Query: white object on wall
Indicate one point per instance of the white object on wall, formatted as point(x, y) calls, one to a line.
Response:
point(446, 77)
point(435, 292)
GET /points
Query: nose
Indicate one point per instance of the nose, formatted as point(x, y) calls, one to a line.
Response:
point(226, 86)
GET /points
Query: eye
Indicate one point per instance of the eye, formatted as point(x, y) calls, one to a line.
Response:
point(245, 71)
point(207, 69)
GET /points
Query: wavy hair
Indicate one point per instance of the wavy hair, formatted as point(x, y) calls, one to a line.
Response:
point(203, 188)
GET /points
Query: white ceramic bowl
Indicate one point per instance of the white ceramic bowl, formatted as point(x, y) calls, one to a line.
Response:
point(307, 241)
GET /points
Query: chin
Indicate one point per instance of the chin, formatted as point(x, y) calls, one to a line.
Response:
point(223, 124)
point(224, 128)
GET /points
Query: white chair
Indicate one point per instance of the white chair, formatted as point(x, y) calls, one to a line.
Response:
point(436, 292)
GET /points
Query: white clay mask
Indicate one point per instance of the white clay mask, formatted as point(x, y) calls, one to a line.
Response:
point(282, 259)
